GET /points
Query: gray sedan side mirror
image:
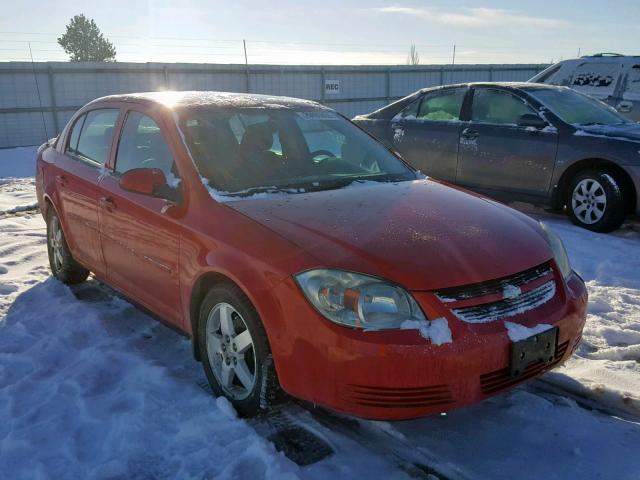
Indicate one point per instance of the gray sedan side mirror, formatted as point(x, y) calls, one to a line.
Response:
point(531, 120)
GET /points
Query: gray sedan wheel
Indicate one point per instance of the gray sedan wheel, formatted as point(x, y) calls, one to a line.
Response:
point(595, 201)
point(589, 201)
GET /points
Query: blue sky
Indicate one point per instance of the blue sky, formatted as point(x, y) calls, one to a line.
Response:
point(330, 31)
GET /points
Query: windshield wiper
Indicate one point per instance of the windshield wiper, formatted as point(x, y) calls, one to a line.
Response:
point(247, 192)
point(314, 185)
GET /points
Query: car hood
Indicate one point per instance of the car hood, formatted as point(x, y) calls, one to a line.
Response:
point(627, 131)
point(421, 234)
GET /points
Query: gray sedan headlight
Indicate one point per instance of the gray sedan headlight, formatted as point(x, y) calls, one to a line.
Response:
point(357, 300)
point(559, 252)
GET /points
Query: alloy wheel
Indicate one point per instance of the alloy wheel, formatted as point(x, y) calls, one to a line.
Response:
point(589, 201)
point(231, 351)
point(55, 242)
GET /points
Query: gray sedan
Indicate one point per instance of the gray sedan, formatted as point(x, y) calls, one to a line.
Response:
point(542, 144)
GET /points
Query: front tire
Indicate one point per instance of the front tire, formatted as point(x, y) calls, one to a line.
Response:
point(63, 266)
point(596, 201)
point(236, 355)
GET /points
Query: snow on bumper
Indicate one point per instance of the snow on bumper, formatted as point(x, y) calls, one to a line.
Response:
point(397, 374)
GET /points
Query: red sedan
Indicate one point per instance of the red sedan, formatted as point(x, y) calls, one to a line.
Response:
point(302, 256)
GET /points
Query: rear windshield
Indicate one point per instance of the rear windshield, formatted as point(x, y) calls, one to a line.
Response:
point(242, 150)
point(577, 109)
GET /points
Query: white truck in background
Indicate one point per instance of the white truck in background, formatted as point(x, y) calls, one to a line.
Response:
point(609, 77)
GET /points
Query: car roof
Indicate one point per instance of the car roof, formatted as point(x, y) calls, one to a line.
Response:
point(186, 99)
point(508, 85)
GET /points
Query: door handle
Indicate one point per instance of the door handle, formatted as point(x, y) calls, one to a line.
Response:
point(107, 203)
point(470, 133)
point(61, 180)
point(624, 107)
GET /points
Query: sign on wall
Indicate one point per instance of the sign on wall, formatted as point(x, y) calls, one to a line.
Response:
point(332, 87)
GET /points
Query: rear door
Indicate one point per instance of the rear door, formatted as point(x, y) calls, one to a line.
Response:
point(78, 172)
point(426, 132)
point(497, 154)
point(140, 233)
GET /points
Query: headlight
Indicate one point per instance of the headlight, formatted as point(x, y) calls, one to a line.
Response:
point(358, 301)
point(559, 252)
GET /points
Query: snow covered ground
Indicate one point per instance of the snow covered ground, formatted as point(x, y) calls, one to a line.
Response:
point(91, 387)
point(17, 188)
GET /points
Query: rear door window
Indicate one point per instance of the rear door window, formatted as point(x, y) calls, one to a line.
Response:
point(94, 140)
point(498, 107)
point(410, 112)
point(442, 106)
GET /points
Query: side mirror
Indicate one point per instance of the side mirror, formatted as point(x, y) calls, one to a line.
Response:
point(147, 181)
point(531, 120)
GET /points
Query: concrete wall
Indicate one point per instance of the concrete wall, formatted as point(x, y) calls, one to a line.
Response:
point(36, 100)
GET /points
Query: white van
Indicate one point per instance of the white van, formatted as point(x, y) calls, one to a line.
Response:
point(610, 77)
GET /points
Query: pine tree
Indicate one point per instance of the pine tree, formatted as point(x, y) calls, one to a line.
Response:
point(84, 42)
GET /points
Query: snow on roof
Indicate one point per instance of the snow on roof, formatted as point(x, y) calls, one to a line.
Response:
point(173, 99)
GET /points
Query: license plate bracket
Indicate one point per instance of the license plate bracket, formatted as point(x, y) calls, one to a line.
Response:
point(538, 347)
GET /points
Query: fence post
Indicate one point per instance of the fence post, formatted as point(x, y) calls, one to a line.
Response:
point(442, 75)
point(52, 97)
point(322, 80)
point(387, 85)
point(165, 73)
point(491, 73)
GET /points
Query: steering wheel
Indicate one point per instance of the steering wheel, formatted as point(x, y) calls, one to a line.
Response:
point(322, 153)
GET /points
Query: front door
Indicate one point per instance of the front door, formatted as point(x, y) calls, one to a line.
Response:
point(140, 236)
point(426, 132)
point(78, 171)
point(497, 154)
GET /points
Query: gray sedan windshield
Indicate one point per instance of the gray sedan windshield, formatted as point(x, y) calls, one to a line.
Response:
point(577, 109)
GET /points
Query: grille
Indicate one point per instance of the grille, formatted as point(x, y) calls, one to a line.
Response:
point(456, 294)
point(524, 302)
point(497, 380)
point(505, 297)
point(399, 397)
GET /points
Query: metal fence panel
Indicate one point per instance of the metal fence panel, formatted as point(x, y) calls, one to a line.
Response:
point(37, 100)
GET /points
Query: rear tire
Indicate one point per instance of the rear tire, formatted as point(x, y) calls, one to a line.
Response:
point(595, 201)
point(63, 266)
point(235, 351)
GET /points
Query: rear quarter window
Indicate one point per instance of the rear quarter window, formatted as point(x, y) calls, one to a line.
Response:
point(596, 78)
point(632, 88)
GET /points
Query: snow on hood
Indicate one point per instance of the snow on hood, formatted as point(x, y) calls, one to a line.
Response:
point(626, 131)
point(421, 234)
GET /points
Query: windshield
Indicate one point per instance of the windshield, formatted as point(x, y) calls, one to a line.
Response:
point(577, 109)
point(244, 150)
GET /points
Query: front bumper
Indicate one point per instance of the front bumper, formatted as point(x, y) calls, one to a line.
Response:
point(396, 374)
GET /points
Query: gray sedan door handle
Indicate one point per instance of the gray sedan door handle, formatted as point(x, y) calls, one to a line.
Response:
point(470, 133)
point(624, 107)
